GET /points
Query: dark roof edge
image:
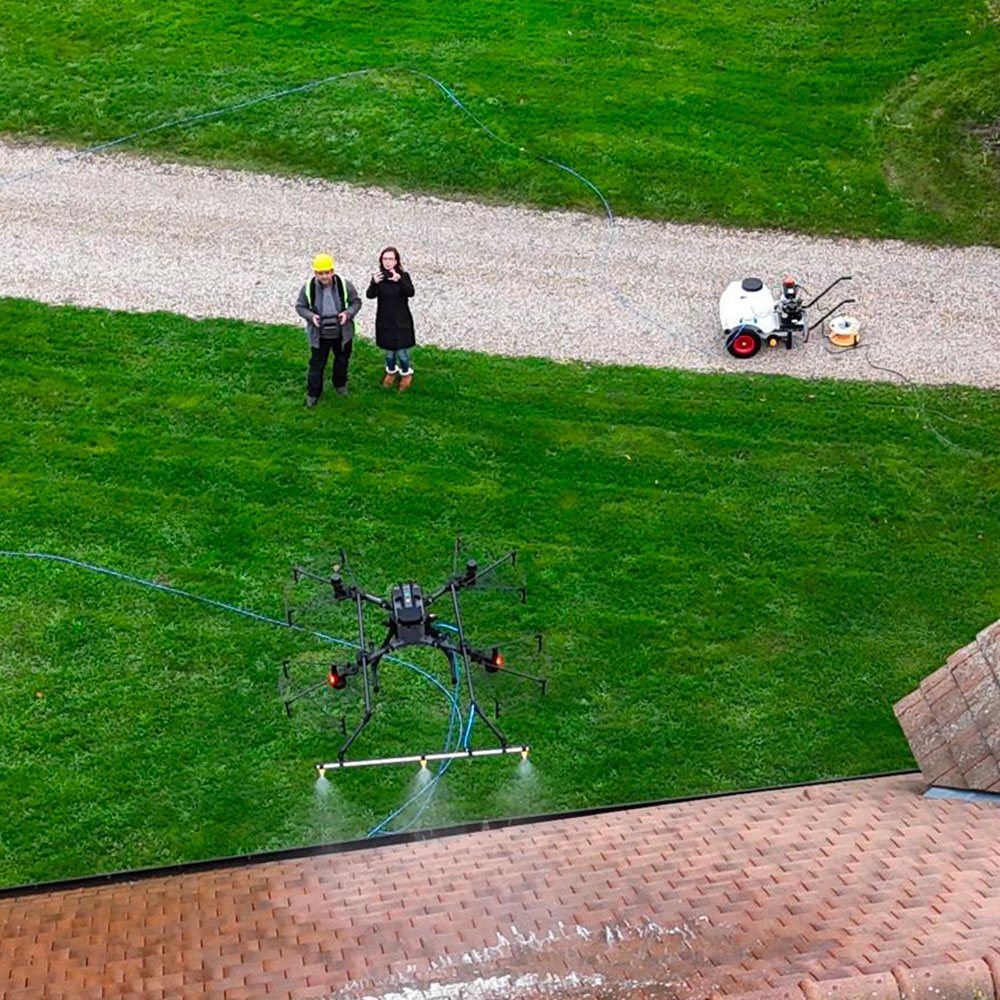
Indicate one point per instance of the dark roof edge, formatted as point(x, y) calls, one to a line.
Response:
point(389, 839)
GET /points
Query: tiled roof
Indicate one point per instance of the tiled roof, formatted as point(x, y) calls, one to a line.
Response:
point(952, 721)
point(860, 889)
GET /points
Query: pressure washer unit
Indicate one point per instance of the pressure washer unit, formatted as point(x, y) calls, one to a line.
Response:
point(751, 316)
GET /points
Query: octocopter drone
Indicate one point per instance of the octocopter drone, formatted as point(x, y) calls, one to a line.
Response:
point(409, 622)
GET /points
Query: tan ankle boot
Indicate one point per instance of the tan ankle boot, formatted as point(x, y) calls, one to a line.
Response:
point(389, 381)
point(404, 382)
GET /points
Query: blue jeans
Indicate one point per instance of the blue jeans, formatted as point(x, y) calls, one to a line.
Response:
point(398, 361)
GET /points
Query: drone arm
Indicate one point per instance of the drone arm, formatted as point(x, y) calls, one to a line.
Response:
point(335, 582)
point(431, 598)
point(540, 681)
point(341, 591)
point(486, 660)
point(471, 576)
point(298, 572)
point(510, 557)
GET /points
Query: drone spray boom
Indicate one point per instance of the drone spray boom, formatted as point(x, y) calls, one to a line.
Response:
point(424, 758)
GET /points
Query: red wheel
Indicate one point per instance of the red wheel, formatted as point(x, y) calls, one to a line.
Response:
point(743, 343)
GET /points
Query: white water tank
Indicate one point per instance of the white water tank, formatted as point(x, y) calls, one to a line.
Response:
point(747, 303)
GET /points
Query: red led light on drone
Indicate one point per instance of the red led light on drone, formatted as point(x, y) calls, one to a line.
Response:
point(495, 662)
point(335, 680)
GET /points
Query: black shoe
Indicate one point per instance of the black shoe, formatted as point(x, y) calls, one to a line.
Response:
point(341, 390)
point(311, 401)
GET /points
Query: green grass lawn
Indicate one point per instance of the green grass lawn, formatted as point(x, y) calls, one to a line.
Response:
point(736, 577)
point(876, 118)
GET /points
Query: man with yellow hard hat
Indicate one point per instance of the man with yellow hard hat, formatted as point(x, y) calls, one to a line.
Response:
point(328, 303)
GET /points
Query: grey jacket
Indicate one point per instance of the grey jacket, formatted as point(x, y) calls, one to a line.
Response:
point(306, 307)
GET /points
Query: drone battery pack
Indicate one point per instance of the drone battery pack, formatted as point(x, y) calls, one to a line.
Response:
point(408, 612)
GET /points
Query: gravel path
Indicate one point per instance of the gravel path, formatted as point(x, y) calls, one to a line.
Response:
point(123, 232)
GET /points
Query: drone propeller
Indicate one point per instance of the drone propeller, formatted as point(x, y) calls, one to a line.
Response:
point(525, 657)
point(298, 609)
point(319, 596)
point(484, 574)
point(333, 677)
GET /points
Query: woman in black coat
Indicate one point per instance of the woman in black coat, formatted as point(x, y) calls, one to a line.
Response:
point(392, 287)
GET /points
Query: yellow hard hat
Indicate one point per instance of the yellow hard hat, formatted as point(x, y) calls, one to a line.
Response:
point(322, 262)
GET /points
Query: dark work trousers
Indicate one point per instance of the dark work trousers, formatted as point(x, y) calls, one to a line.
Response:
point(317, 364)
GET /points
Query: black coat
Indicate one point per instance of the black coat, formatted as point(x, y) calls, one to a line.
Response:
point(393, 320)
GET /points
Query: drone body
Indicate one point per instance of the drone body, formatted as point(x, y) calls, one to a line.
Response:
point(409, 620)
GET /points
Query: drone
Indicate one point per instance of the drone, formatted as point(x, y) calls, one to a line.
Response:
point(409, 622)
